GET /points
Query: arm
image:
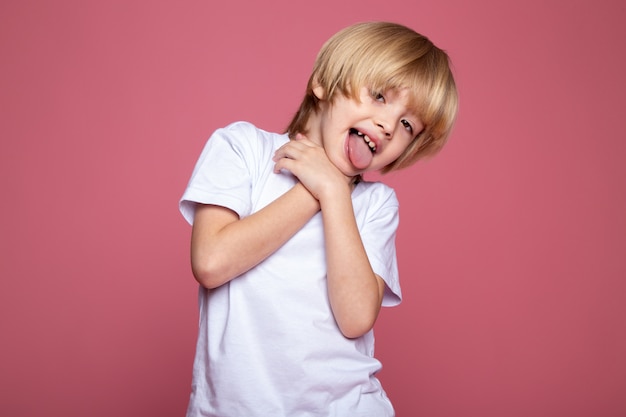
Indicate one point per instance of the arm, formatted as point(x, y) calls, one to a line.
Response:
point(223, 246)
point(354, 290)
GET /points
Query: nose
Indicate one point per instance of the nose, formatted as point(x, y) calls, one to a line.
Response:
point(384, 126)
point(385, 122)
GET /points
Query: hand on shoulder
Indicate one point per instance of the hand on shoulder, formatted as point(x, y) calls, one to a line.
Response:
point(308, 161)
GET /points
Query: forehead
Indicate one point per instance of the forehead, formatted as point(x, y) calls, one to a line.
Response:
point(408, 98)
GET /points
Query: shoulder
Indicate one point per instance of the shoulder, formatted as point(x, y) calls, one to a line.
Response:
point(375, 194)
point(247, 129)
point(240, 128)
point(246, 134)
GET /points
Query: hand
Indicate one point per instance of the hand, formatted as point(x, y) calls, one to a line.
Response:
point(309, 163)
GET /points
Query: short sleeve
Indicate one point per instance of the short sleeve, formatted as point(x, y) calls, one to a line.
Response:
point(222, 174)
point(378, 234)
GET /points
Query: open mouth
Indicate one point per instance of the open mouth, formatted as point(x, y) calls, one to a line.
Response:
point(365, 138)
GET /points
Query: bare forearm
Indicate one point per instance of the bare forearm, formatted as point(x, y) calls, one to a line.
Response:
point(221, 253)
point(354, 290)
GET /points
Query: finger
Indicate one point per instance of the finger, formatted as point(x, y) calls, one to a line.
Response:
point(282, 152)
point(286, 164)
point(300, 138)
point(290, 150)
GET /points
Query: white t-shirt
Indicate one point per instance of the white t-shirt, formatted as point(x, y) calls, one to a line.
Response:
point(268, 344)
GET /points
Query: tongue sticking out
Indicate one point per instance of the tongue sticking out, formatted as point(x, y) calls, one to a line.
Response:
point(359, 152)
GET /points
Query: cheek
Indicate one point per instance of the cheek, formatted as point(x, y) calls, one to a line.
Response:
point(401, 147)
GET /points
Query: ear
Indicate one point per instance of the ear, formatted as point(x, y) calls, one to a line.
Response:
point(319, 92)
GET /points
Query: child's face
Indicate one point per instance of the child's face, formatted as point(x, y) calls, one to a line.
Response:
point(366, 135)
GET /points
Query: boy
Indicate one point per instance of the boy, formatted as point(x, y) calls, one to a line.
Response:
point(294, 252)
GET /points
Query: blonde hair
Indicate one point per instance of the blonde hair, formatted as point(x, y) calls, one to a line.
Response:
point(382, 56)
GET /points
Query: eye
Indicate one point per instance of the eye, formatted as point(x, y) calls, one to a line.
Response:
point(407, 125)
point(378, 96)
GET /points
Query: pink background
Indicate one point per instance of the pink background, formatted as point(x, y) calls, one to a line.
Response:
point(512, 241)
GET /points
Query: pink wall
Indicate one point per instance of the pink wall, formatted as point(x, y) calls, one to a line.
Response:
point(512, 241)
